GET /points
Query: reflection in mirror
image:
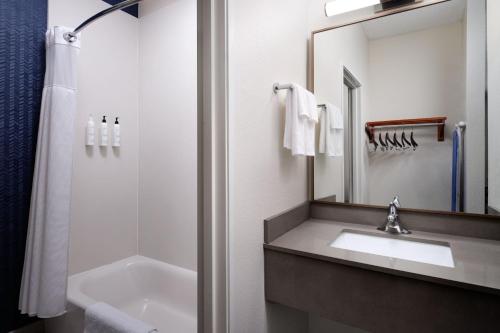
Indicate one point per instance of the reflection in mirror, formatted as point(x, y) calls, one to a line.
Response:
point(493, 151)
point(405, 110)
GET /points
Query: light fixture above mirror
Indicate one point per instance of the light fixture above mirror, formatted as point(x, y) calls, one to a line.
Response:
point(338, 7)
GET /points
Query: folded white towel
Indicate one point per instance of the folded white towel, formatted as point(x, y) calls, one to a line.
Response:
point(301, 117)
point(331, 134)
point(103, 318)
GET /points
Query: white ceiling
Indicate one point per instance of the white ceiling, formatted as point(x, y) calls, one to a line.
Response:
point(415, 20)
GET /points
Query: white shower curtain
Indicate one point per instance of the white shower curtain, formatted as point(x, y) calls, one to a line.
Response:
point(43, 287)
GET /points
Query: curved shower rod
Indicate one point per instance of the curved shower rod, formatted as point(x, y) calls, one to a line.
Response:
point(72, 36)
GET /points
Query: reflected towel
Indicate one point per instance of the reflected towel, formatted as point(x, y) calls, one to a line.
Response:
point(331, 136)
point(103, 318)
point(300, 121)
point(454, 172)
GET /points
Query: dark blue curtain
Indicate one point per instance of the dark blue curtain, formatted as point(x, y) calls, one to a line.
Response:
point(22, 65)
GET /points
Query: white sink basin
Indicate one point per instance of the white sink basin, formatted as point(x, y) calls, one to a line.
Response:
point(429, 252)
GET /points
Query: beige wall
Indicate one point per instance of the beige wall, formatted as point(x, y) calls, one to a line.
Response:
point(104, 194)
point(267, 43)
point(167, 145)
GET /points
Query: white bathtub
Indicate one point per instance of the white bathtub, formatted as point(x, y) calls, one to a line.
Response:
point(157, 293)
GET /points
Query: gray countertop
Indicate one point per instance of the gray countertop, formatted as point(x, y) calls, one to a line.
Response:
point(477, 261)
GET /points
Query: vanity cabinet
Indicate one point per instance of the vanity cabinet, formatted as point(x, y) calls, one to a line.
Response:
point(376, 293)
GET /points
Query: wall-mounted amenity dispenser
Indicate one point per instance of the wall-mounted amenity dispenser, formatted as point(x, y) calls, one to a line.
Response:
point(90, 132)
point(104, 132)
point(116, 133)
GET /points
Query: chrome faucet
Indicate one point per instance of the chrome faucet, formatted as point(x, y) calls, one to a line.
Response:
point(393, 225)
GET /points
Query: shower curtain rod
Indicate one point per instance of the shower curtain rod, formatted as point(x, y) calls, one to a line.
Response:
point(71, 36)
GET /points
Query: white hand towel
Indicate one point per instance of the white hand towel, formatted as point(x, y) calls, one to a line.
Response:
point(331, 137)
point(301, 117)
point(103, 318)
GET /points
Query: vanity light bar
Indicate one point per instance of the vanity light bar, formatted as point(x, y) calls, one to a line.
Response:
point(337, 7)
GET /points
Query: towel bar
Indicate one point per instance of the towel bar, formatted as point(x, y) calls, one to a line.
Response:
point(278, 86)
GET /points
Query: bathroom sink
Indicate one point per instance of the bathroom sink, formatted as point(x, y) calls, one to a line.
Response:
point(424, 251)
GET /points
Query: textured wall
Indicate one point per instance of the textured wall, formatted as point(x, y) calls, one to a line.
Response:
point(22, 66)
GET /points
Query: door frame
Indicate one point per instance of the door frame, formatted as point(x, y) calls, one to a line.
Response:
point(357, 131)
point(213, 250)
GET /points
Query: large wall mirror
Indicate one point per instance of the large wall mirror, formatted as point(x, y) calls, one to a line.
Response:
point(404, 108)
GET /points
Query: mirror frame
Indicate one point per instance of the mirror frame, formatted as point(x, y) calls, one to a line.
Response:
point(310, 87)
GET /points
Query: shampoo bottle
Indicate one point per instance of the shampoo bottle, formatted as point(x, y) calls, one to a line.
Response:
point(90, 132)
point(116, 133)
point(104, 132)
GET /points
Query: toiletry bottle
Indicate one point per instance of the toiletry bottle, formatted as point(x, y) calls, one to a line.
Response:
point(90, 132)
point(116, 133)
point(104, 132)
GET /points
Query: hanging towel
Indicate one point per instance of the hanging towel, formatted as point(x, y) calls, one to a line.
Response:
point(331, 137)
point(300, 121)
point(43, 286)
point(103, 318)
point(454, 172)
point(457, 172)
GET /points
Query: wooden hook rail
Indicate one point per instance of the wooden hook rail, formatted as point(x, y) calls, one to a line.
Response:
point(440, 122)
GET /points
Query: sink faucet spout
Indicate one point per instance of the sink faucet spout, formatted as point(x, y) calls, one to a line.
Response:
point(393, 224)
